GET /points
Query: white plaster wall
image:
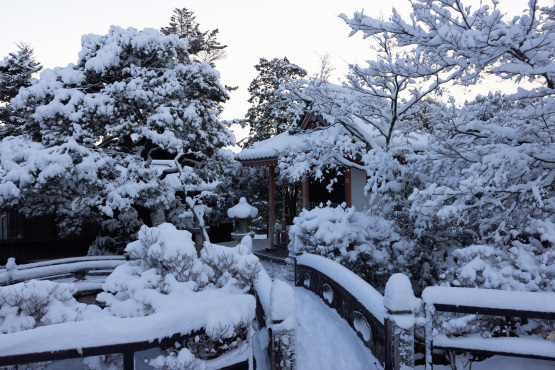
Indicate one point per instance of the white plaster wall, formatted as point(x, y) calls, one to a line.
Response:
point(358, 181)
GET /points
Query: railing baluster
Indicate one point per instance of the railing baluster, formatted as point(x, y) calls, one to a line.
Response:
point(128, 360)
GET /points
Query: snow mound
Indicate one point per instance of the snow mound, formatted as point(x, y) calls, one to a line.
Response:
point(399, 296)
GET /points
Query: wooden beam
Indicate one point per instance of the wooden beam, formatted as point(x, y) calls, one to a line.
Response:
point(260, 163)
point(547, 315)
point(271, 206)
point(348, 191)
point(304, 192)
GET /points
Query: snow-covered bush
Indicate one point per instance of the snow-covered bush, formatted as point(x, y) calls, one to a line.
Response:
point(182, 359)
point(36, 303)
point(164, 259)
point(164, 278)
point(526, 266)
point(165, 270)
point(368, 245)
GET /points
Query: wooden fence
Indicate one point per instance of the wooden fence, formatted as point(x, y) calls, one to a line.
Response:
point(79, 267)
point(383, 326)
point(491, 302)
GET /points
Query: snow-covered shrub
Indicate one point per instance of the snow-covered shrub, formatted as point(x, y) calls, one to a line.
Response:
point(179, 359)
point(164, 259)
point(367, 245)
point(525, 266)
point(165, 270)
point(36, 303)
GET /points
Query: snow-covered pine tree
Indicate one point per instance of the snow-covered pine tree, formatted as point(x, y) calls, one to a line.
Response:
point(16, 70)
point(89, 130)
point(203, 45)
point(274, 109)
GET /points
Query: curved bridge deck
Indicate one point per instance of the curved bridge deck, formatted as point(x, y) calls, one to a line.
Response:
point(324, 339)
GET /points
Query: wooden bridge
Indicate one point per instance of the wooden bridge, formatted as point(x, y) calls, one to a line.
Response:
point(389, 327)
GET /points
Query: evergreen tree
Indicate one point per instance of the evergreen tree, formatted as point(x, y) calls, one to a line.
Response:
point(16, 71)
point(203, 45)
point(274, 109)
point(88, 132)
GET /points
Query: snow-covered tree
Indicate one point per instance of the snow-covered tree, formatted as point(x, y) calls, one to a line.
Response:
point(89, 130)
point(17, 70)
point(274, 109)
point(378, 113)
point(489, 167)
point(474, 40)
point(203, 45)
point(490, 182)
point(486, 175)
point(373, 123)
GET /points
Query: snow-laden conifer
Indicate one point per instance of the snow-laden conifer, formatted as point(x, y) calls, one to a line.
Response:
point(274, 108)
point(88, 131)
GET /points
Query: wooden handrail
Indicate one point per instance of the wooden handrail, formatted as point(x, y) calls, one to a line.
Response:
point(59, 268)
point(489, 302)
point(127, 349)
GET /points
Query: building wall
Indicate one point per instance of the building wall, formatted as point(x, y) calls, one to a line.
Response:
point(358, 181)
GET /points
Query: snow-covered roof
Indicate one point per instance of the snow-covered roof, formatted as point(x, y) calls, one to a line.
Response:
point(271, 148)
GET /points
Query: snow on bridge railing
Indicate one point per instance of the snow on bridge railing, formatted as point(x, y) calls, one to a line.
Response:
point(540, 305)
point(126, 335)
point(275, 309)
point(386, 324)
point(55, 269)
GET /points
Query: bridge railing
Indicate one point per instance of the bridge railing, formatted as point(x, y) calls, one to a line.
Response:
point(386, 324)
point(540, 305)
point(101, 337)
point(77, 267)
point(275, 310)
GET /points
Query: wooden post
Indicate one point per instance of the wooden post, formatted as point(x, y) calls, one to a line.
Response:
point(128, 360)
point(348, 193)
point(304, 192)
point(271, 206)
point(400, 303)
point(283, 233)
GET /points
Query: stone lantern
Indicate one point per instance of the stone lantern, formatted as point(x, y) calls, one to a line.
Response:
point(242, 213)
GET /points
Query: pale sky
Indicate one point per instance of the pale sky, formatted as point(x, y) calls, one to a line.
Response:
point(299, 29)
